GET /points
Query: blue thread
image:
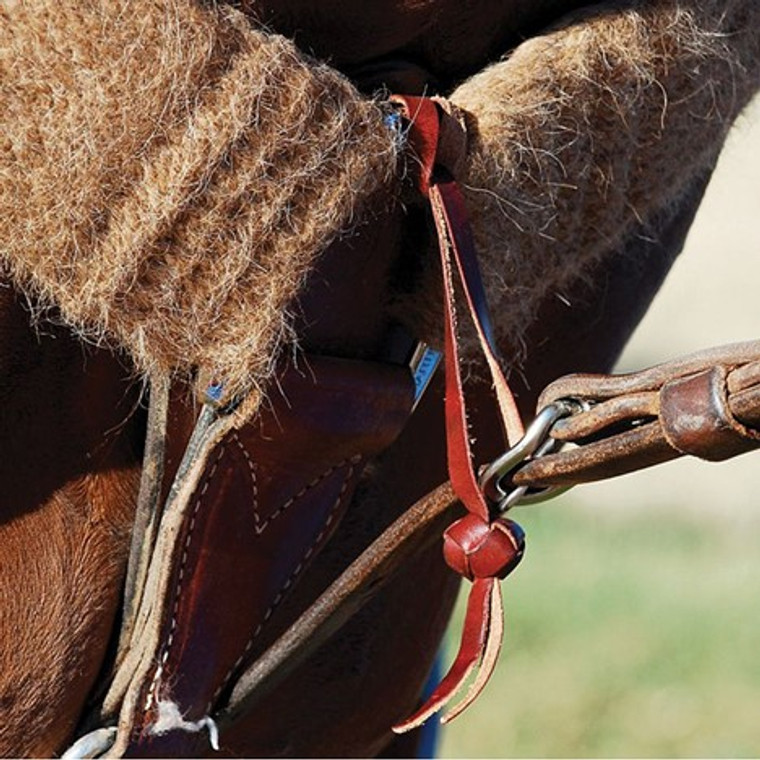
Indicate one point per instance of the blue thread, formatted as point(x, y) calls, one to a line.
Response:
point(393, 121)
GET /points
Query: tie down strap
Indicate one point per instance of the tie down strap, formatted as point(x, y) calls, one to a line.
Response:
point(483, 547)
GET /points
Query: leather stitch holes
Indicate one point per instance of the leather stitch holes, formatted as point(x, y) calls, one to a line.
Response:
point(152, 692)
point(352, 462)
point(259, 528)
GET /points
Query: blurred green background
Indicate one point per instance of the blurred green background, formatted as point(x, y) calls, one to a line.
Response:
point(633, 624)
point(635, 637)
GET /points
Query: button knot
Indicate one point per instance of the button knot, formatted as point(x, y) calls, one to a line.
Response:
point(476, 548)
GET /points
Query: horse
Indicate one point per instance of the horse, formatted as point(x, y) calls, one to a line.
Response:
point(76, 424)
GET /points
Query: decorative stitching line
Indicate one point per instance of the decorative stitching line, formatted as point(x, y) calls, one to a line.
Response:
point(353, 461)
point(259, 525)
point(153, 691)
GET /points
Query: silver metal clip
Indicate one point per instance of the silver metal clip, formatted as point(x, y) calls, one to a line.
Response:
point(496, 478)
point(423, 364)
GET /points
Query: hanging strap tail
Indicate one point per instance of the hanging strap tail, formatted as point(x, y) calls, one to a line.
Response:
point(481, 643)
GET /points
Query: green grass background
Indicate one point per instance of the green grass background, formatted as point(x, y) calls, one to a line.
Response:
point(626, 637)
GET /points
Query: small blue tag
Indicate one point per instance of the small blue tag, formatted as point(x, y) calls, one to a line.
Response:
point(214, 392)
point(423, 369)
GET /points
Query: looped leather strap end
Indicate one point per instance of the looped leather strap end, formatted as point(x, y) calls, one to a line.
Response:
point(696, 417)
point(437, 137)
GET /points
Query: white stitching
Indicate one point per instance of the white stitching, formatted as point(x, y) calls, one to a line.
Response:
point(261, 526)
point(353, 461)
point(152, 692)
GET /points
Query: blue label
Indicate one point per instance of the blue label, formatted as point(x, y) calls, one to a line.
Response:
point(425, 370)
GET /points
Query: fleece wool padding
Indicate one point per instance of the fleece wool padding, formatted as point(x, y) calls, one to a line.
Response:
point(168, 175)
point(589, 130)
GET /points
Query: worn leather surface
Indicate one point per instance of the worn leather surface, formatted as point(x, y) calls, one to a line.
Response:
point(271, 495)
point(682, 407)
point(697, 419)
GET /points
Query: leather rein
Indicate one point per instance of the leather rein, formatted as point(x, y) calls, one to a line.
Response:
point(707, 405)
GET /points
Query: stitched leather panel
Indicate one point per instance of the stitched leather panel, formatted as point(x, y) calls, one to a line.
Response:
point(270, 497)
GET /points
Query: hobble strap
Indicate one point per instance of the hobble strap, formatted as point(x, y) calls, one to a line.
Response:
point(480, 546)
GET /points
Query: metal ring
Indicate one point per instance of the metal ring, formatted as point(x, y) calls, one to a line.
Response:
point(534, 443)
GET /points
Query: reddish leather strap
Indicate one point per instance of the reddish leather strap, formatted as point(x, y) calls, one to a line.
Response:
point(478, 546)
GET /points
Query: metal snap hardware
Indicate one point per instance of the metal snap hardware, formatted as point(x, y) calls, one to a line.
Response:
point(496, 478)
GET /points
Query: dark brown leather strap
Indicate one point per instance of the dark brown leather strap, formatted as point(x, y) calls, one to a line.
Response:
point(705, 405)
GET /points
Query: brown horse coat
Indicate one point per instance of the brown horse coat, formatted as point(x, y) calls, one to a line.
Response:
point(168, 177)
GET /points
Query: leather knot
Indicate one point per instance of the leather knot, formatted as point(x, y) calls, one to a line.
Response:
point(478, 549)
